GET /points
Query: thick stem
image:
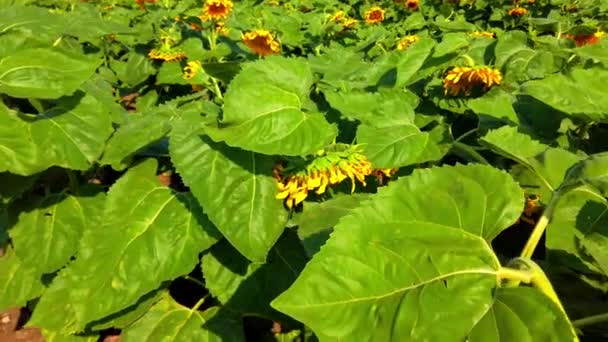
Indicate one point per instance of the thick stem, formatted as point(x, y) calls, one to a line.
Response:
point(590, 320)
point(540, 227)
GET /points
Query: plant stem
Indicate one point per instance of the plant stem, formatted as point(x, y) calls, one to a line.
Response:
point(199, 303)
point(466, 134)
point(194, 280)
point(515, 276)
point(73, 181)
point(540, 227)
point(590, 320)
point(471, 152)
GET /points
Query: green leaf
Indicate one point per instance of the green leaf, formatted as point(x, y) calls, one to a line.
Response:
point(234, 187)
point(579, 94)
point(412, 60)
point(18, 282)
point(149, 235)
point(316, 219)
point(73, 133)
point(579, 226)
point(394, 146)
point(522, 314)
point(47, 236)
point(54, 336)
point(592, 171)
point(18, 153)
point(137, 133)
point(169, 321)
point(135, 70)
point(597, 52)
point(379, 109)
point(494, 107)
point(549, 164)
point(231, 278)
point(394, 263)
point(170, 73)
point(130, 315)
point(25, 75)
point(264, 110)
point(450, 43)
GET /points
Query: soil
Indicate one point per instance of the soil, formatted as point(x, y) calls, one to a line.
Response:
point(12, 330)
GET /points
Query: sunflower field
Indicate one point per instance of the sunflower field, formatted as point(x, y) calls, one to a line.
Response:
point(304, 170)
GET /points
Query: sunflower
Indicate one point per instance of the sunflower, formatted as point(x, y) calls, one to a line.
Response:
point(220, 27)
point(192, 69)
point(350, 23)
point(338, 16)
point(412, 5)
point(216, 9)
point(406, 41)
point(585, 39)
point(464, 79)
point(261, 42)
point(326, 169)
point(517, 12)
point(166, 54)
point(142, 3)
point(482, 34)
point(374, 15)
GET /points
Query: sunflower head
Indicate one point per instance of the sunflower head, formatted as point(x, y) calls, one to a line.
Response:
point(374, 15)
point(517, 12)
point(406, 41)
point(585, 39)
point(166, 54)
point(216, 9)
point(350, 23)
point(261, 42)
point(412, 5)
point(338, 16)
point(142, 3)
point(463, 80)
point(334, 165)
point(482, 34)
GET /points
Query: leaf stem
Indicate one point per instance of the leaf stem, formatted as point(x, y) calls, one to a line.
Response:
point(194, 280)
point(540, 227)
point(199, 303)
point(73, 182)
point(471, 152)
point(466, 134)
point(590, 320)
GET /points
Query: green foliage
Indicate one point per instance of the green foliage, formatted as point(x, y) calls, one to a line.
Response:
point(161, 178)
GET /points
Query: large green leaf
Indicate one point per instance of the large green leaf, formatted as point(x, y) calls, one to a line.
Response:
point(494, 107)
point(518, 61)
point(18, 282)
point(522, 314)
point(235, 188)
point(396, 268)
point(18, 153)
point(264, 110)
point(72, 135)
point(47, 236)
point(316, 220)
point(592, 171)
point(393, 146)
point(136, 134)
point(231, 278)
point(169, 321)
point(25, 74)
point(580, 93)
point(149, 235)
point(577, 235)
point(379, 109)
point(549, 164)
point(412, 60)
point(597, 52)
